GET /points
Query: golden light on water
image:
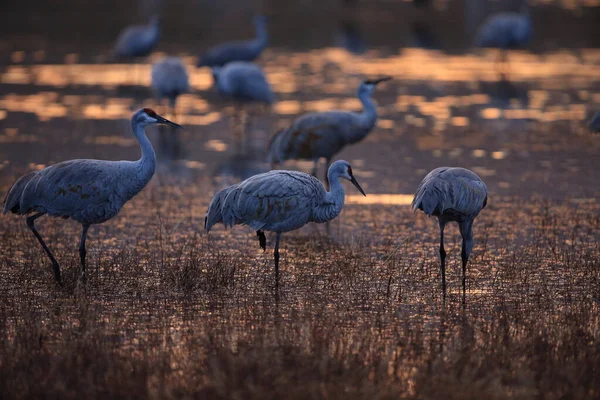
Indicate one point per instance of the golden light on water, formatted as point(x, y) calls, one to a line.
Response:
point(383, 199)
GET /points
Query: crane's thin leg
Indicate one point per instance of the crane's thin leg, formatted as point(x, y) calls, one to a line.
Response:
point(466, 231)
point(262, 240)
point(443, 258)
point(502, 63)
point(31, 225)
point(83, 252)
point(245, 117)
point(276, 255)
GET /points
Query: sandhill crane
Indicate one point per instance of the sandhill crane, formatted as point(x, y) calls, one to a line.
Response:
point(452, 194)
point(280, 201)
point(595, 123)
point(89, 191)
point(324, 134)
point(505, 31)
point(244, 82)
point(246, 50)
point(170, 79)
point(138, 40)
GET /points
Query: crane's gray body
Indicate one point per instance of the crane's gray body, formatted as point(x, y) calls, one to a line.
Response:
point(324, 134)
point(170, 78)
point(138, 40)
point(243, 81)
point(452, 194)
point(276, 201)
point(89, 191)
point(505, 30)
point(321, 134)
point(243, 50)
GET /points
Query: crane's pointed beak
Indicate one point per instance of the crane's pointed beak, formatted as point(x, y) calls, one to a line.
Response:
point(355, 183)
point(161, 120)
point(379, 80)
point(383, 79)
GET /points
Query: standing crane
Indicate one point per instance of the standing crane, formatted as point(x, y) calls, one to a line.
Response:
point(244, 82)
point(137, 40)
point(170, 79)
point(246, 50)
point(280, 201)
point(505, 31)
point(324, 134)
point(89, 191)
point(452, 194)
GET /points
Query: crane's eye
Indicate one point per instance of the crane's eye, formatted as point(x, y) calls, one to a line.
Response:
point(349, 170)
point(150, 112)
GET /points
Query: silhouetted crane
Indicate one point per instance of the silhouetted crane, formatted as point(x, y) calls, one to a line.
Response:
point(243, 82)
point(170, 79)
point(505, 31)
point(280, 201)
point(246, 50)
point(138, 40)
point(324, 134)
point(452, 194)
point(89, 191)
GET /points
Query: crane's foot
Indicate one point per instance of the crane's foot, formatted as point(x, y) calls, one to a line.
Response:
point(262, 240)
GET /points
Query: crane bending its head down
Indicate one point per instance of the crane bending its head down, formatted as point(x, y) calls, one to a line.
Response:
point(280, 201)
point(452, 194)
point(88, 191)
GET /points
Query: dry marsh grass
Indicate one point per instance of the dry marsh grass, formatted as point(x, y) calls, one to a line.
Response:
point(167, 313)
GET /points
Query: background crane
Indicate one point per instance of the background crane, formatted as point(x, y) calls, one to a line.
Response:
point(89, 191)
point(137, 40)
point(280, 201)
point(505, 31)
point(170, 79)
point(244, 50)
point(452, 194)
point(243, 82)
point(324, 134)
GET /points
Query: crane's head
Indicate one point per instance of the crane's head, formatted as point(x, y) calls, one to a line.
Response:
point(368, 86)
point(343, 169)
point(147, 116)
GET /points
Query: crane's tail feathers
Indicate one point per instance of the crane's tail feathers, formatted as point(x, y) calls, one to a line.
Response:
point(218, 212)
point(12, 202)
point(427, 201)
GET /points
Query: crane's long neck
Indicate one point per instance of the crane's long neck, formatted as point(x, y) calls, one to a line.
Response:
point(153, 31)
point(367, 118)
point(262, 37)
point(334, 200)
point(146, 165)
